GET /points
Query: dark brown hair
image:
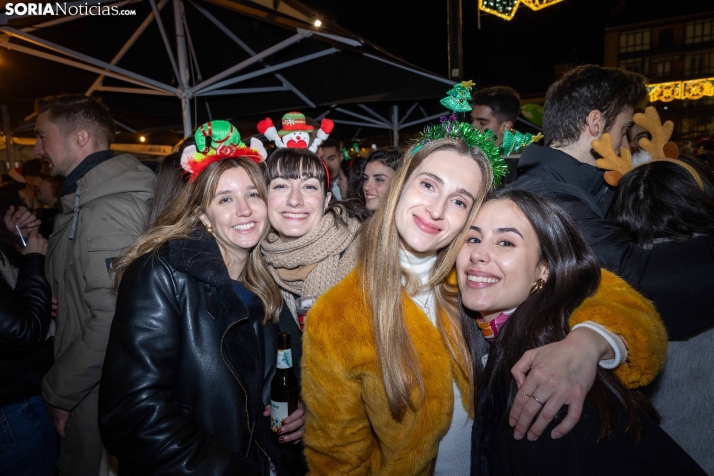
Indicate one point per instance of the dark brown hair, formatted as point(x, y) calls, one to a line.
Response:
point(76, 111)
point(543, 318)
point(502, 100)
point(660, 200)
point(290, 164)
point(584, 89)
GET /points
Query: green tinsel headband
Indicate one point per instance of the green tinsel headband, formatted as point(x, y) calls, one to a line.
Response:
point(458, 100)
point(463, 131)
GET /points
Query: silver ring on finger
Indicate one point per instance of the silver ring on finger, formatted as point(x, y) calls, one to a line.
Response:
point(534, 398)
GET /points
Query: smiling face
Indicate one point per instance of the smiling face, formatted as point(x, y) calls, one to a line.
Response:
point(499, 262)
point(377, 177)
point(436, 201)
point(296, 206)
point(237, 215)
point(54, 146)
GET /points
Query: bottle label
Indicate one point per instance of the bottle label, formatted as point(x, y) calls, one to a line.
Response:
point(278, 413)
point(285, 359)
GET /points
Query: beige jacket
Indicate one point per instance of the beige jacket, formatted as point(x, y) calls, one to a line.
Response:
point(104, 217)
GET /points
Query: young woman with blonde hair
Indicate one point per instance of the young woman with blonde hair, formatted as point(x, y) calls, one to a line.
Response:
point(386, 371)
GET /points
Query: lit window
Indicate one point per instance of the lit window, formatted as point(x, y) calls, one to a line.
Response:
point(636, 40)
point(700, 31)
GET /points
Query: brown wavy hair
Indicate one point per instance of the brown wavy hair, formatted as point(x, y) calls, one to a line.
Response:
point(180, 219)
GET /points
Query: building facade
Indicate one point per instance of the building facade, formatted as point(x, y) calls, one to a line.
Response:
point(677, 58)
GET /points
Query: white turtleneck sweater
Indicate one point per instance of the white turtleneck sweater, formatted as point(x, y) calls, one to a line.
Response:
point(454, 457)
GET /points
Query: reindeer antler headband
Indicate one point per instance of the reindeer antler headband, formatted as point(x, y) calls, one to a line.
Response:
point(660, 148)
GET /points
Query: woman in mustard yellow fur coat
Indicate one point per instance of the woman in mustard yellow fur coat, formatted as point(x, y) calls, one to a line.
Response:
point(386, 371)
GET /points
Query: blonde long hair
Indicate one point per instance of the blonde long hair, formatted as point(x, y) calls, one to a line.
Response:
point(381, 275)
point(180, 219)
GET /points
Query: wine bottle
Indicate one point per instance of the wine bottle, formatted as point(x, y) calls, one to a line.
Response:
point(284, 388)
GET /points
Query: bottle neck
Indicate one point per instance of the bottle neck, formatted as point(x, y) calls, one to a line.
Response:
point(285, 359)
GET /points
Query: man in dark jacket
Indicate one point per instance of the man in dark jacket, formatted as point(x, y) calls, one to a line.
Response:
point(103, 208)
point(585, 103)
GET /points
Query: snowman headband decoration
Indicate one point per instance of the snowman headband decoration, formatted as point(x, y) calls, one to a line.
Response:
point(295, 134)
point(216, 140)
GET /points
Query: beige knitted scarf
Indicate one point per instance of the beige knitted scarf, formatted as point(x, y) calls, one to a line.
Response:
point(315, 262)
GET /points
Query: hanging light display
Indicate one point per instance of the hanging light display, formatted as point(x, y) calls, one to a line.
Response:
point(693, 89)
point(507, 8)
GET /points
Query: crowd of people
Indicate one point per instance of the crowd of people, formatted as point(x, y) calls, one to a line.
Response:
point(443, 321)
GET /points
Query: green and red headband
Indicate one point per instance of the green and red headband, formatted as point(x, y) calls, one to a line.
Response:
point(218, 140)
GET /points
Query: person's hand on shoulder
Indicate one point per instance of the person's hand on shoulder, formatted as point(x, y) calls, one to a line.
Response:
point(554, 375)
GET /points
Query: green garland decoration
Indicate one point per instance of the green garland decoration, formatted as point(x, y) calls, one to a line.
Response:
point(486, 141)
point(459, 101)
point(513, 141)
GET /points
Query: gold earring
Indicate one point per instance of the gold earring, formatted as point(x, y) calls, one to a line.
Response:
point(537, 286)
point(209, 228)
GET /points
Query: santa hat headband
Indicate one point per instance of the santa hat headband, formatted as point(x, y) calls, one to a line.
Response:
point(217, 140)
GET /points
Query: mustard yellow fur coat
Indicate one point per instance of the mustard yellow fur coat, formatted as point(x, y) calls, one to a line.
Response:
point(349, 429)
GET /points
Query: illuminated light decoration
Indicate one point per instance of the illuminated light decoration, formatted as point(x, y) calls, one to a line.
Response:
point(538, 4)
point(317, 23)
point(506, 9)
point(693, 89)
point(501, 8)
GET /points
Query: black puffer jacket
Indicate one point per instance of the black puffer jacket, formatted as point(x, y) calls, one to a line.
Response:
point(25, 353)
point(187, 370)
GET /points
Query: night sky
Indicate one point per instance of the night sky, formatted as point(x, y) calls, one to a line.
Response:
point(520, 53)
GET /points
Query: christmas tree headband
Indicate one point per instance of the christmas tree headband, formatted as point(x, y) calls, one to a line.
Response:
point(218, 140)
point(459, 100)
point(659, 148)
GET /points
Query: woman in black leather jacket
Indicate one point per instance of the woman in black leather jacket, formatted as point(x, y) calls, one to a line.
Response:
point(28, 441)
point(193, 343)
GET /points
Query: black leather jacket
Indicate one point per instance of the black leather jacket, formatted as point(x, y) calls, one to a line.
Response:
point(25, 353)
point(188, 369)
